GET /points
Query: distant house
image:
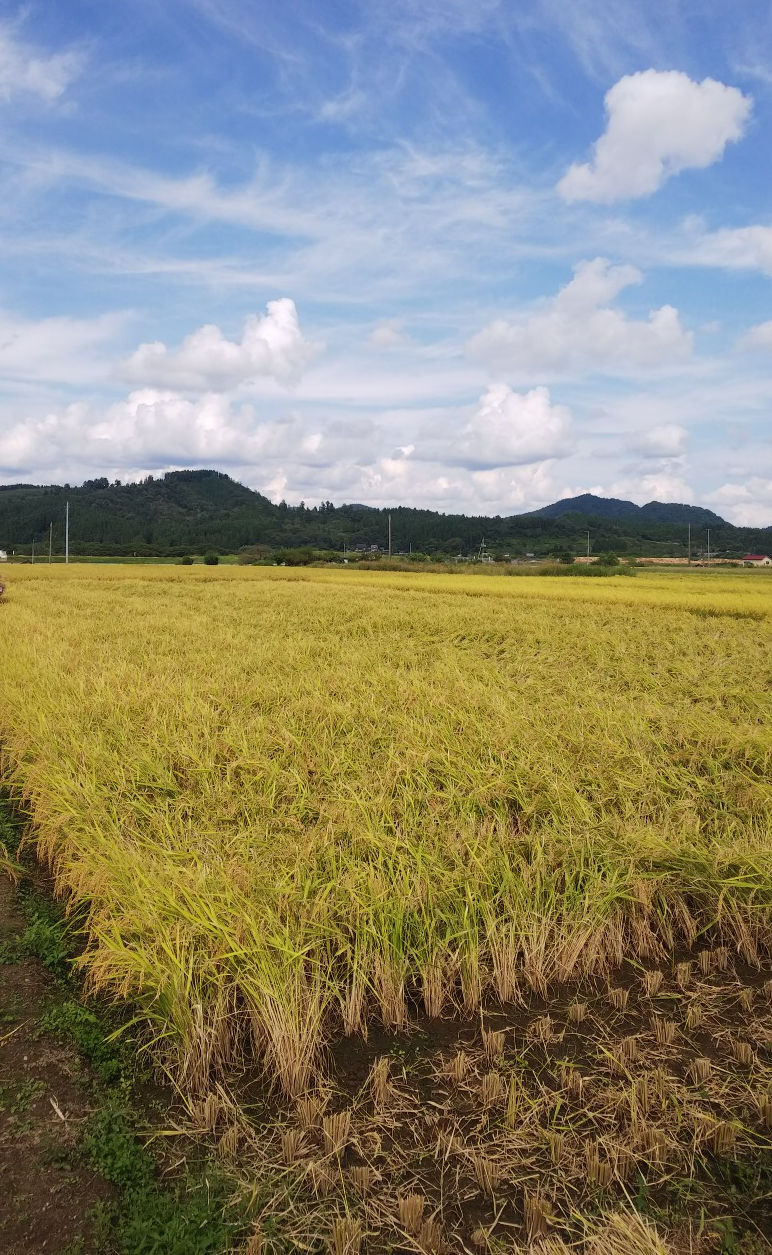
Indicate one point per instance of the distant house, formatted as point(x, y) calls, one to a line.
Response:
point(756, 559)
point(3, 556)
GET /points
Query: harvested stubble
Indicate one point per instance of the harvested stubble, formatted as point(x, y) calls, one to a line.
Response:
point(290, 799)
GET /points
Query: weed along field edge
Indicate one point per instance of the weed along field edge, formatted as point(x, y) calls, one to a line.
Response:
point(445, 901)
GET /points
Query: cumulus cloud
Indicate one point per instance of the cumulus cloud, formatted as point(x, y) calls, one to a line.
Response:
point(577, 329)
point(388, 333)
point(746, 505)
point(513, 429)
point(24, 71)
point(662, 483)
point(758, 337)
point(659, 123)
point(435, 485)
point(272, 346)
point(153, 428)
point(668, 440)
point(736, 248)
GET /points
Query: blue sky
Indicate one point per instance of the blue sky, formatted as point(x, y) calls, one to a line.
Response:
point(469, 256)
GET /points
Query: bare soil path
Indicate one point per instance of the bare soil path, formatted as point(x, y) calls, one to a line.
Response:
point(47, 1192)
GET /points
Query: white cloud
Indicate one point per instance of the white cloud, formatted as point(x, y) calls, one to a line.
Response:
point(389, 333)
point(667, 440)
point(60, 349)
point(512, 429)
point(577, 329)
point(659, 123)
point(272, 346)
point(735, 248)
point(150, 428)
point(665, 483)
point(22, 70)
point(758, 337)
point(746, 505)
point(435, 485)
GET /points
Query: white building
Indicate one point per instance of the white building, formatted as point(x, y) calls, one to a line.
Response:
point(757, 559)
point(3, 556)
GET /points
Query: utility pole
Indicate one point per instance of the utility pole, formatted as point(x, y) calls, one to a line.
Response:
point(708, 546)
point(389, 535)
point(689, 559)
point(588, 544)
point(67, 533)
point(50, 540)
point(33, 550)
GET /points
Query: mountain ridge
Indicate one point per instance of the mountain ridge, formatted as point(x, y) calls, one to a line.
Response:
point(617, 508)
point(192, 511)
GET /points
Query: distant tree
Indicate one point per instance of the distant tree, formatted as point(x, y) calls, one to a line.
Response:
point(295, 557)
point(607, 559)
point(187, 560)
point(211, 559)
point(566, 558)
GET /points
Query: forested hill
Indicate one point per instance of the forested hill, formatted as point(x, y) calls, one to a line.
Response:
point(612, 508)
point(192, 511)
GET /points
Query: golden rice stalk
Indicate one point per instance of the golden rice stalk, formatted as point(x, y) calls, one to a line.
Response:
point(379, 1081)
point(721, 958)
point(292, 1143)
point(362, 1178)
point(683, 975)
point(228, 1144)
point(458, 1067)
point(345, 1236)
point(654, 1144)
point(536, 1215)
point(600, 1172)
point(543, 1029)
point(652, 982)
point(627, 1233)
point(431, 1239)
point(211, 1111)
point(619, 997)
point(700, 1070)
point(624, 1163)
point(723, 1138)
point(556, 1142)
point(515, 1103)
point(577, 1012)
point(323, 1179)
point(664, 1030)
point(411, 1209)
point(746, 998)
point(434, 989)
point(742, 1052)
point(765, 1110)
point(335, 1129)
point(569, 1079)
point(255, 1243)
point(310, 1110)
point(487, 1173)
point(493, 1044)
point(491, 1090)
point(628, 1050)
point(705, 962)
point(695, 1014)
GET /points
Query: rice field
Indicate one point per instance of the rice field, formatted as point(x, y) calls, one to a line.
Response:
point(520, 826)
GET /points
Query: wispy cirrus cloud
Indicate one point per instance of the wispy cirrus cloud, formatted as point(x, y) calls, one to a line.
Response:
point(26, 70)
